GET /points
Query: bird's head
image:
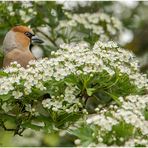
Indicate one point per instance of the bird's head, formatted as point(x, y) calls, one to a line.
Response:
point(20, 37)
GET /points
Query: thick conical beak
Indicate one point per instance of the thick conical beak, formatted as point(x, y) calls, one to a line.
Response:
point(36, 40)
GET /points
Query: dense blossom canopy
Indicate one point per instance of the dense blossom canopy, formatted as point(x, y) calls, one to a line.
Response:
point(74, 74)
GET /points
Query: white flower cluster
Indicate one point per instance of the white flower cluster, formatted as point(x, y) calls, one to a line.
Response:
point(140, 142)
point(71, 59)
point(123, 60)
point(67, 101)
point(6, 107)
point(22, 12)
point(98, 23)
point(31, 109)
point(59, 75)
point(131, 112)
point(105, 123)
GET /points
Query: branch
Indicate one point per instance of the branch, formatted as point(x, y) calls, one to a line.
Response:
point(6, 129)
point(49, 38)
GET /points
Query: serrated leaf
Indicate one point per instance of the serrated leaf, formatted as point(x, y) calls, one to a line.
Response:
point(90, 91)
point(71, 80)
point(123, 130)
point(84, 133)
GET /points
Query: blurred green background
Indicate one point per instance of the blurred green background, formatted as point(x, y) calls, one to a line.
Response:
point(43, 17)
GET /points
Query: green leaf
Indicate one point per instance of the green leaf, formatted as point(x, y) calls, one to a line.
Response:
point(5, 97)
point(123, 129)
point(114, 98)
point(146, 114)
point(84, 133)
point(67, 118)
point(90, 91)
point(2, 73)
point(71, 80)
point(32, 126)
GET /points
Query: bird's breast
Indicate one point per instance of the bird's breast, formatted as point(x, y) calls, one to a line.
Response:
point(22, 57)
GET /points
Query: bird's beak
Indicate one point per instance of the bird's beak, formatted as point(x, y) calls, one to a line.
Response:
point(36, 40)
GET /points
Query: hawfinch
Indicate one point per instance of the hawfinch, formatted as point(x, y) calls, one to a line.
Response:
point(17, 44)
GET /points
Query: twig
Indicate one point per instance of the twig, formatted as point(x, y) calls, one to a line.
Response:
point(6, 129)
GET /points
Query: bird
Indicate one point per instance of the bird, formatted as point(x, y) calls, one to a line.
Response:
point(16, 45)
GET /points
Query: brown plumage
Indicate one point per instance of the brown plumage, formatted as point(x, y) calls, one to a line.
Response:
point(16, 46)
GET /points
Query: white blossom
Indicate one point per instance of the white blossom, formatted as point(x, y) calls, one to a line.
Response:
point(131, 112)
point(92, 22)
point(17, 94)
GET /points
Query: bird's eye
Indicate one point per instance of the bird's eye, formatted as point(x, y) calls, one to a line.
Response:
point(28, 34)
